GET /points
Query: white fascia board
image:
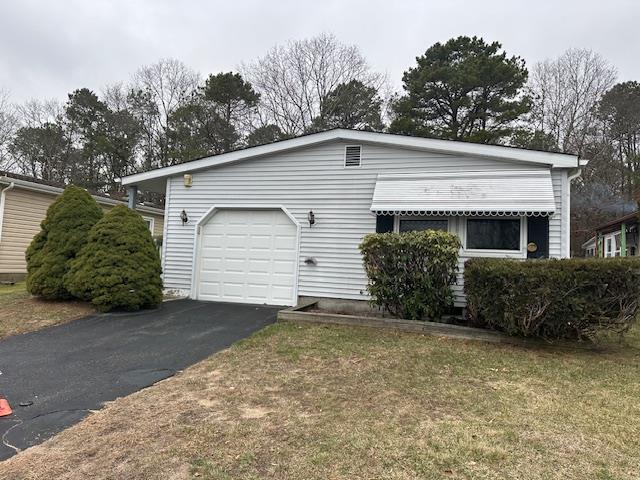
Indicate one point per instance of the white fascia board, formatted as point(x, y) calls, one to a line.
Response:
point(556, 160)
point(41, 188)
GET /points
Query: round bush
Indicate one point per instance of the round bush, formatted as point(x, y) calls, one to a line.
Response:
point(119, 267)
point(410, 274)
point(64, 232)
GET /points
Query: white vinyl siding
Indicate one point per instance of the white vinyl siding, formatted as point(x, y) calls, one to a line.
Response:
point(312, 178)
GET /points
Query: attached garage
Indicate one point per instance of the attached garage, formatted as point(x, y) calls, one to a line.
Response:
point(275, 223)
point(247, 256)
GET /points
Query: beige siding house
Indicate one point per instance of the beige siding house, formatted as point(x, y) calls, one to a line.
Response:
point(23, 205)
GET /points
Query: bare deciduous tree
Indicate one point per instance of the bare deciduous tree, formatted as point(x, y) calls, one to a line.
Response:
point(35, 113)
point(566, 92)
point(293, 80)
point(166, 86)
point(8, 125)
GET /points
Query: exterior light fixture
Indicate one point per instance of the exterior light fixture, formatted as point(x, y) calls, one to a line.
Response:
point(188, 180)
point(184, 217)
point(311, 217)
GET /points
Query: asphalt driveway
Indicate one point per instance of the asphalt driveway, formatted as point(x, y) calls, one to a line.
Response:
point(68, 370)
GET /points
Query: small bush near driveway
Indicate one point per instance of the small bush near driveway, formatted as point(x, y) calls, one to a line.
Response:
point(410, 274)
point(553, 299)
point(64, 232)
point(119, 267)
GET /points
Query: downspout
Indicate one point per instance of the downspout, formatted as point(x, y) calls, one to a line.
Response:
point(3, 196)
point(567, 200)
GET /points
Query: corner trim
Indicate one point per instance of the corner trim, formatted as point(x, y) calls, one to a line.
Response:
point(3, 201)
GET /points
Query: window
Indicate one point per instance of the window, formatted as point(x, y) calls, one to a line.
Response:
point(612, 245)
point(410, 225)
point(352, 155)
point(493, 234)
point(149, 223)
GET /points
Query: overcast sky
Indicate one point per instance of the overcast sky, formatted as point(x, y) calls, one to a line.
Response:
point(49, 48)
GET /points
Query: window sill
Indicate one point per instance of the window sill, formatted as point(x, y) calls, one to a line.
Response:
point(494, 253)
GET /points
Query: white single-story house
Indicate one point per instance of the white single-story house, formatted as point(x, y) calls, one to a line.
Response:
point(274, 223)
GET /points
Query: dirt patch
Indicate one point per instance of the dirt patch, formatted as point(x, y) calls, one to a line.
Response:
point(21, 313)
point(254, 412)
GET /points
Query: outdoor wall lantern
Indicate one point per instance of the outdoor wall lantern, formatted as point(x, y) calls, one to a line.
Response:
point(311, 217)
point(184, 217)
point(187, 179)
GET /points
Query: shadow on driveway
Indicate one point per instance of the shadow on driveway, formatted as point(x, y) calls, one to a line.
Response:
point(73, 368)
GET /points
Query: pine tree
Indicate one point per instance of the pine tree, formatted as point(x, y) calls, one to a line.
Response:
point(64, 232)
point(119, 267)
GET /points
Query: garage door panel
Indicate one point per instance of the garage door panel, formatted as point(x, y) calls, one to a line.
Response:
point(259, 265)
point(210, 288)
point(211, 265)
point(248, 256)
point(283, 266)
point(281, 294)
point(211, 241)
point(230, 289)
point(259, 242)
point(280, 279)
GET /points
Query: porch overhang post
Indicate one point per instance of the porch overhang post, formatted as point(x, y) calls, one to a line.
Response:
point(623, 240)
point(133, 196)
point(599, 246)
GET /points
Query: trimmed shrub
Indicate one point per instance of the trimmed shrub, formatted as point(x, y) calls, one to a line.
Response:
point(64, 232)
point(553, 299)
point(119, 267)
point(410, 274)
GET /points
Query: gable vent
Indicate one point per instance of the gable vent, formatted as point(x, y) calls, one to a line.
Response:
point(352, 156)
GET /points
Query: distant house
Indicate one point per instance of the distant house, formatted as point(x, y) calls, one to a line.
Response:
point(23, 205)
point(616, 238)
point(282, 222)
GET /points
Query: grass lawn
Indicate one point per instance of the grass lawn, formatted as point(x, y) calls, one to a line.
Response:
point(19, 313)
point(332, 402)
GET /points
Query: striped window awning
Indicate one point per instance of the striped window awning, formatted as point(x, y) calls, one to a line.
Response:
point(482, 193)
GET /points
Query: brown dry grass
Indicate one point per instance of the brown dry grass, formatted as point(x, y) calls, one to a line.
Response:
point(21, 313)
point(330, 402)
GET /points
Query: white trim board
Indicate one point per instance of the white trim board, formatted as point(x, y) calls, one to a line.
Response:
point(3, 201)
point(556, 160)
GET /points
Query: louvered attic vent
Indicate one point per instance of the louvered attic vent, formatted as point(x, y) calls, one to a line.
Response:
point(352, 156)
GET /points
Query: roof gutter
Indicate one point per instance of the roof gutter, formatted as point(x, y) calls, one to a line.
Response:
point(3, 200)
point(571, 175)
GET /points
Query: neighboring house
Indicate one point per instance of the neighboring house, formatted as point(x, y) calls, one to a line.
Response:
point(617, 238)
point(23, 205)
point(274, 223)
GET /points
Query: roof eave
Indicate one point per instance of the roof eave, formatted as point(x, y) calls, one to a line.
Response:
point(555, 160)
point(41, 188)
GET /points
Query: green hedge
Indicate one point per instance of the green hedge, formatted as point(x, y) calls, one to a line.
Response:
point(553, 299)
point(410, 274)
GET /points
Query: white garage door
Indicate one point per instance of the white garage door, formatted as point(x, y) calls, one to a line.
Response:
point(248, 256)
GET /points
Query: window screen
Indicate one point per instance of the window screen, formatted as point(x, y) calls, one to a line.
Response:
point(423, 224)
point(493, 234)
